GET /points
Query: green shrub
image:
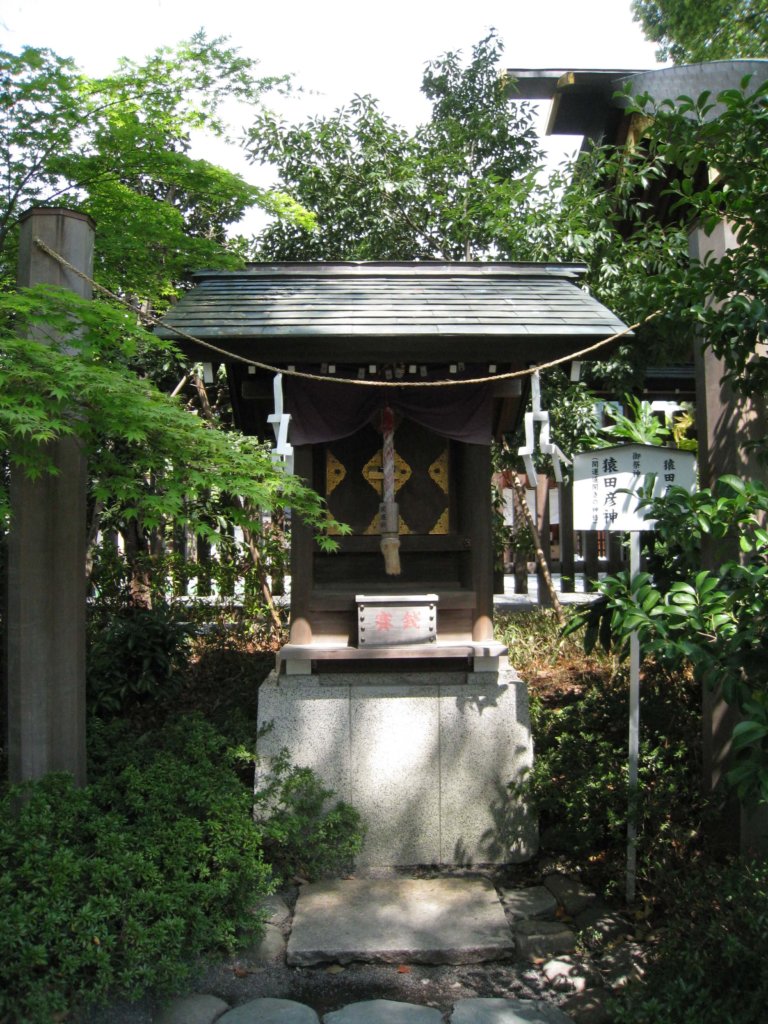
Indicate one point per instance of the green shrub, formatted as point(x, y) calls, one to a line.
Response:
point(135, 655)
point(302, 835)
point(222, 677)
point(578, 784)
point(708, 966)
point(116, 888)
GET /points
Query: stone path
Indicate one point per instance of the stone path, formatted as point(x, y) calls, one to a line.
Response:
point(525, 938)
point(200, 1010)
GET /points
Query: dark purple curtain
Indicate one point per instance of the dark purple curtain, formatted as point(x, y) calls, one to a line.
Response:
point(323, 411)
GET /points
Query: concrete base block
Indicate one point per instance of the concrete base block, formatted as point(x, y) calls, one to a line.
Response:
point(426, 759)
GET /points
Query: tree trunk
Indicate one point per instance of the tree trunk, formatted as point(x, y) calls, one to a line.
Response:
point(136, 555)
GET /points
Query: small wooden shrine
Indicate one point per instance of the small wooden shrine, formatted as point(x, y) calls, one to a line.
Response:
point(407, 467)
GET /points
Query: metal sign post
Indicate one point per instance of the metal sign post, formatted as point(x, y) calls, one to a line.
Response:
point(606, 487)
point(634, 730)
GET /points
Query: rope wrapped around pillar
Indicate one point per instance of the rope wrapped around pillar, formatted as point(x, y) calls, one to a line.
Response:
point(389, 517)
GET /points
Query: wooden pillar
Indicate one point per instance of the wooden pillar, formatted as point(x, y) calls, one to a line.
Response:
point(476, 516)
point(613, 552)
point(567, 553)
point(302, 557)
point(726, 424)
point(591, 561)
point(46, 555)
point(521, 553)
point(542, 525)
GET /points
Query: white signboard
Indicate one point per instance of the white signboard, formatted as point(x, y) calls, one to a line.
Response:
point(606, 483)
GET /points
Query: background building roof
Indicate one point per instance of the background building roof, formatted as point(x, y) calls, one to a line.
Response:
point(588, 102)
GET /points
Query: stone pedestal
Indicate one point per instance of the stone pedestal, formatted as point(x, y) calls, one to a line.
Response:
point(426, 758)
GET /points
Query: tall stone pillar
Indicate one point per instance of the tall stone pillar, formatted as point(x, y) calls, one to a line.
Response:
point(46, 555)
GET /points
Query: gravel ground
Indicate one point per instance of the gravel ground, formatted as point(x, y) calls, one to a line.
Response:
point(241, 977)
point(331, 988)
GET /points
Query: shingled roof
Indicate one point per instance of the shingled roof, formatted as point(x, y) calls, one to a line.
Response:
point(304, 311)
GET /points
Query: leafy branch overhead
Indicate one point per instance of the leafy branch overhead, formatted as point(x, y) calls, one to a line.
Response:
point(144, 449)
point(119, 149)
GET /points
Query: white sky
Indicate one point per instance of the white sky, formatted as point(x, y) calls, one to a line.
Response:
point(337, 48)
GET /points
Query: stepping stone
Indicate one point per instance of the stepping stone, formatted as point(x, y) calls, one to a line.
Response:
point(536, 901)
point(270, 1011)
point(600, 925)
point(506, 1011)
point(572, 896)
point(384, 1011)
point(544, 938)
point(195, 1009)
point(275, 910)
point(591, 1007)
point(399, 920)
point(269, 950)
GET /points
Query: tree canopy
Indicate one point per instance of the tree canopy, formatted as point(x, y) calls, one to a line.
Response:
point(118, 148)
point(447, 191)
point(627, 211)
point(688, 31)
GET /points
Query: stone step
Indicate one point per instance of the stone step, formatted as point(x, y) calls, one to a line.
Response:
point(399, 920)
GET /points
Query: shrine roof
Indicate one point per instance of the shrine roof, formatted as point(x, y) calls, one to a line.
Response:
point(286, 309)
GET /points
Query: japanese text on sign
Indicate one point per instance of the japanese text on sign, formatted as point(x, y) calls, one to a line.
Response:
point(385, 620)
point(607, 483)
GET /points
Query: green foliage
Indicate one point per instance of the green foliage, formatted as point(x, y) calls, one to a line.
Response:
point(223, 677)
point(626, 212)
point(353, 171)
point(689, 32)
point(477, 155)
point(578, 783)
point(535, 638)
point(449, 191)
point(571, 407)
point(714, 620)
point(301, 834)
point(639, 426)
point(134, 655)
point(707, 966)
point(118, 148)
point(120, 887)
point(117, 887)
point(145, 452)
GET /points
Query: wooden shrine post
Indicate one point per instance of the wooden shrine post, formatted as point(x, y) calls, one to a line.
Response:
point(726, 424)
point(567, 553)
point(46, 555)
